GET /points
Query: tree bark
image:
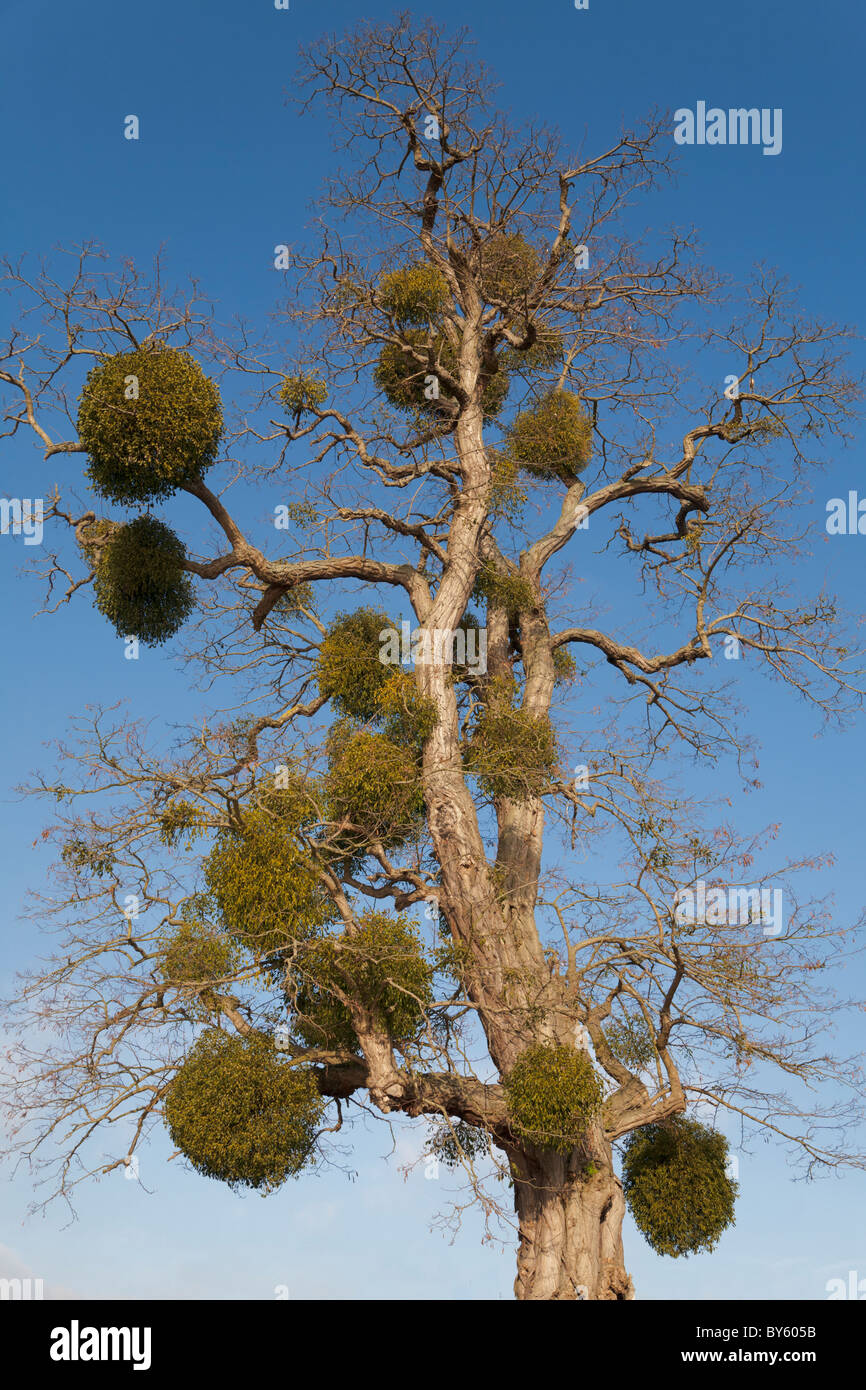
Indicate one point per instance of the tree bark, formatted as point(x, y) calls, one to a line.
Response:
point(570, 1219)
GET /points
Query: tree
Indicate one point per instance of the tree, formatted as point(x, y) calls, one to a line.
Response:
point(345, 896)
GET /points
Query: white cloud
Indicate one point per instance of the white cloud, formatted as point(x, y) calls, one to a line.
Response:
point(13, 1267)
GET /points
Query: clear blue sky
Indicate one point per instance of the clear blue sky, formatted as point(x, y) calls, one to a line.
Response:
point(223, 171)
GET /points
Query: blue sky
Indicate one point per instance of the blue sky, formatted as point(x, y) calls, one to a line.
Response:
point(223, 171)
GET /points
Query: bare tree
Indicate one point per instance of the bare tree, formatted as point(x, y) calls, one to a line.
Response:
point(472, 392)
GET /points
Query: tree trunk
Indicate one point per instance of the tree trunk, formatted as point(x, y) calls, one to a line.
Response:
point(570, 1228)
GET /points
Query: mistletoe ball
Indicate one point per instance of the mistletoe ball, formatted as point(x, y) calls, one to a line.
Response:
point(140, 585)
point(151, 423)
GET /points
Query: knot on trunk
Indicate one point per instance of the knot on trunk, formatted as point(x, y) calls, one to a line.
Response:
point(617, 1286)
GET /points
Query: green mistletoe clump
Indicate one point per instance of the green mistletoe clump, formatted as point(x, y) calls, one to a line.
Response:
point(553, 1094)
point(553, 438)
point(140, 583)
point(194, 954)
point(512, 752)
point(151, 422)
point(241, 1115)
point(264, 886)
point(406, 374)
point(374, 783)
point(677, 1187)
point(509, 267)
point(380, 965)
point(414, 294)
point(303, 392)
point(349, 670)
